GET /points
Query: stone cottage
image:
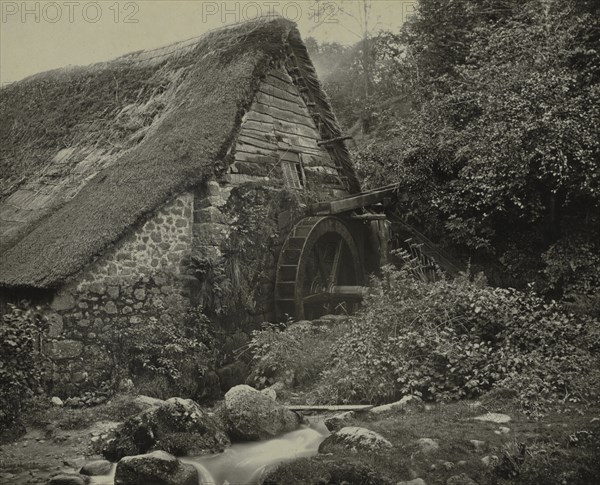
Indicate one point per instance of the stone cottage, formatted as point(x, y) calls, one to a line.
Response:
point(131, 189)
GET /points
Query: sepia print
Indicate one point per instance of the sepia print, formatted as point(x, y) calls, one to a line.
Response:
point(344, 242)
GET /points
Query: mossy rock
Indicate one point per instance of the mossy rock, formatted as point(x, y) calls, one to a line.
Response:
point(179, 426)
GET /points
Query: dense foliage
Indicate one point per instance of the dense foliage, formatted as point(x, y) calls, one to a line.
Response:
point(496, 134)
point(296, 356)
point(22, 366)
point(454, 339)
point(171, 354)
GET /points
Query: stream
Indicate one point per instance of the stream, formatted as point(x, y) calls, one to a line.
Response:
point(246, 463)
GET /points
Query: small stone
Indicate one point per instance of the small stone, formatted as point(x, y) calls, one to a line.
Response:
point(493, 418)
point(338, 421)
point(110, 308)
point(477, 444)
point(139, 294)
point(427, 445)
point(56, 401)
point(96, 467)
point(489, 460)
point(448, 465)
point(462, 479)
point(63, 301)
point(461, 463)
point(55, 325)
point(66, 349)
point(69, 479)
point(97, 288)
point(113, 292)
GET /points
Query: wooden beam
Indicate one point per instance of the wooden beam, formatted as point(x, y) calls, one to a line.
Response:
point(335, 140)
point(368, 217)
point(357, 201)
point(338, 407)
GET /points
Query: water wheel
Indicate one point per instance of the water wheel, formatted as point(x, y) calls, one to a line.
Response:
point(319, 269)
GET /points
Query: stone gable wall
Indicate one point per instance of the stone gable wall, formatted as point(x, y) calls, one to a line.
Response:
point(143, 276)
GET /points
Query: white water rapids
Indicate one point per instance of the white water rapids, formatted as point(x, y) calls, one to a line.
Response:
point(246, 463)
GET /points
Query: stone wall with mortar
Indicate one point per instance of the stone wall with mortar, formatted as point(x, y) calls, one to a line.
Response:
point(142, 276)
point(240, 223)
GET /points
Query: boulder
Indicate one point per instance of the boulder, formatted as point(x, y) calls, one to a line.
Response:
point(337, 422)
point(156, 468)
point(143, 403)
point(355, 438)
point(251, 415)
point(57, 401)
point(96, 468)
point(69, 479)
point(427, 445)
point(179, 426)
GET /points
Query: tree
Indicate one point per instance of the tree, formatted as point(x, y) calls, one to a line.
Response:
point(502, 147)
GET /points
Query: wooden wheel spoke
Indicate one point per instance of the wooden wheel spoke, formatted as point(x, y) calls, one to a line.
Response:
point(333, 276)
point(321, 264)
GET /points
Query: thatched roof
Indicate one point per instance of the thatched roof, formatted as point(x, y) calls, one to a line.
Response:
point(90, 152)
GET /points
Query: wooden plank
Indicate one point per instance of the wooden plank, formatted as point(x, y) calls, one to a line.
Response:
point(354, 202)
point(289, 124)
point(287, 129)
point(259, 135)
point(275, 92)
point(256, 142)
point(258, 126)
point(245, 148)
point(338, 407)
point(281, 74)
point(255, 158)
point(280, 114)
point(280, 103)
point(305, 144)
point(255, 115)
point(281, 84)
point(299, 130)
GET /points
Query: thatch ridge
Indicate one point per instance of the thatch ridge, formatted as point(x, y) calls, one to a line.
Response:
point(185, 144)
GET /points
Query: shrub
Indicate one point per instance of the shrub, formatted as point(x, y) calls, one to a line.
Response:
point(165, 354)
point(457, 339)
point(22, 366)
point(298, 353)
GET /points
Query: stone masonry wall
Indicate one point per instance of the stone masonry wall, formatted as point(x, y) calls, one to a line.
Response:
point(143, 276)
